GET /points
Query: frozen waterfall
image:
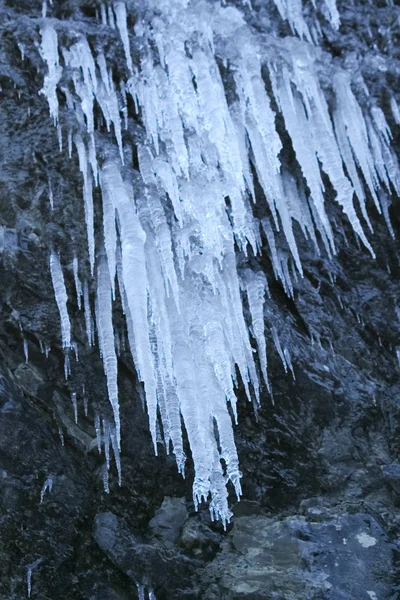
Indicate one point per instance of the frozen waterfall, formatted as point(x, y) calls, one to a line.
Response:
point(177, 231)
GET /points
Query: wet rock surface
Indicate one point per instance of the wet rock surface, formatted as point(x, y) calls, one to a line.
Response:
point(319, 518)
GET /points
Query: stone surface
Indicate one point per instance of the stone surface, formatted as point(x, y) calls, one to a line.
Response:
point(169, 520)
point(340, 557)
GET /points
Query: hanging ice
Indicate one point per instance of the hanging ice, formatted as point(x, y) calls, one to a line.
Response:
point(48, 485)
point(61, 298)
point(256, 286)
point(173, 236)
point(78, 285)
point(106, 338)
point(88, 313)
point(120, 13)
point(134, 277)
point(87, 196)
point(49, 52)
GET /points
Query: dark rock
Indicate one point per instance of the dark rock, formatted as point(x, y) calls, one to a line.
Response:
point(168, 521)
point(391, 474)
point(146, 564)
point(346, 557)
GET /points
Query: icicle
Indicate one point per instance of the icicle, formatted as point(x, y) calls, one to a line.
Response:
point(22, 50)
point(26, 351)
point(117, 457)
point(120, 13)
point(87, 196)
point(291, 10)
point(140, 589)
point(103, 14)
point(109, 225)
point(256, 286)
point(61, 298)
point(51, 197)
point(111, 17)
point(134, 276)
point(105, 479)
point(60, 433)
point(75, 406)
point(48, 485)
point(29, 571)
point(88, 313)
point(288, 361)
point(106, 442)
point(78, 285)
point(278, 346)
point(97, 427)
point(69, 144)
point(49, 53)
point(80, 60)
point(85, 405)
point(333, 13)
point(106, 338)
point(67, 367)
point(385, 203)
point(395, 110)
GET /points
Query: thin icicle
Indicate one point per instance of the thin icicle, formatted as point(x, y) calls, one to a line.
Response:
point(47, 486)
point(85, 405)
point(78, 285)
point(74, 406)
point(49, 53)
point(88, 313)
point(134, 276)
point(117, 457)
point(106, 338)
point(61, 298)
point(61, 435)
point(278, 346)
point(256, 286)
point(26, 351)
point(120, 13)
point(106, 485)
point(395, 110)
point(109, 225)
point(87, 196)
point(103, 13)
point(111, 17)
point(97, 426)
point(51, 197)
point(29, 571)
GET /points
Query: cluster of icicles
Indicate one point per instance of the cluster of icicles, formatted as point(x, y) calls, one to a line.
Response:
point(170, 241)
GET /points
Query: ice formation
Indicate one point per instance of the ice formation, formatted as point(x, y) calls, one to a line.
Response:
point(175, 234)
point(61, 296)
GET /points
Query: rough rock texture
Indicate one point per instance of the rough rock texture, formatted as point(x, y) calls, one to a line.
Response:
point(321, 473)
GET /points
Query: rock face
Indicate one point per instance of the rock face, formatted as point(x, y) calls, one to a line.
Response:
point(347, 556)
point(319, 519)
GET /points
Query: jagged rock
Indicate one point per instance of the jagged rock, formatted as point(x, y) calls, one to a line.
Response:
point(391, 474)
point(146, 564)
point(168, 521)
point(346, 557)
